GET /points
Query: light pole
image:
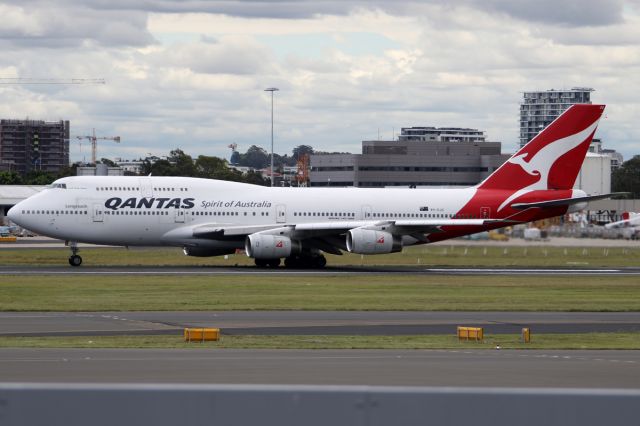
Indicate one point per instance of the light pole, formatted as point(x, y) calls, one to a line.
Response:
point(271, 89)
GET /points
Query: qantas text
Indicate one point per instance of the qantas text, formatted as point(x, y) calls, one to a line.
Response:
point(116, 203)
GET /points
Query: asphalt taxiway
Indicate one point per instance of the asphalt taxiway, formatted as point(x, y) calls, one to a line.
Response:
point(310, 322)
point(66, 270)
point(495, 368)
point(468, 367)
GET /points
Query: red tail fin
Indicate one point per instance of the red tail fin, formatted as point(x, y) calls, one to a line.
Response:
point(553, 158)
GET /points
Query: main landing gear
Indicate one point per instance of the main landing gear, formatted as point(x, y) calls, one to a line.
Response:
point(74, 259)
point(294, 262)
point(267, 263)
point(305, 262)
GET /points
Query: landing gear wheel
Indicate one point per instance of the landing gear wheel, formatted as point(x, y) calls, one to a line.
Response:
point(261, 263)
point(305, 262)
point(273, 263)
point(75, 260)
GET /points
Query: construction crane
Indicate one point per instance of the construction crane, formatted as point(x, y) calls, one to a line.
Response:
point(302, 174)
point(94, 142)
point(21, 80)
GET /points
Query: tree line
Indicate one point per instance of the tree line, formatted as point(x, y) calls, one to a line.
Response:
point(627, 178)
point(179, 163)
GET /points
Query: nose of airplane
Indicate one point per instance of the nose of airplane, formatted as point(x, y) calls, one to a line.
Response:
point(14, 213)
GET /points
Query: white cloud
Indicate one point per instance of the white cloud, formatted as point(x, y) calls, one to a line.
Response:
point(191, 74)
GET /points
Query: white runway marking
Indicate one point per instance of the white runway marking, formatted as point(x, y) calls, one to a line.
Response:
point(116, 271)
point(526, 271)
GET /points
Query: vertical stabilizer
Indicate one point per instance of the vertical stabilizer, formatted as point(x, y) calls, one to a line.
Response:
point(552, 159)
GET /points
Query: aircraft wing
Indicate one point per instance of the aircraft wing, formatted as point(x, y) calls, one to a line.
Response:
point(406, 226)
point(326, 236)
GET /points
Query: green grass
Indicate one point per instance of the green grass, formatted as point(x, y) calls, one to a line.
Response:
point(325, 292)
point(506, 341)
point(429, 255)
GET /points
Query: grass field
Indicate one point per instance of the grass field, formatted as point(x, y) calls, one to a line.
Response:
point(430, 255)
point(330, 292)
point(506, 341)
point(325, 292)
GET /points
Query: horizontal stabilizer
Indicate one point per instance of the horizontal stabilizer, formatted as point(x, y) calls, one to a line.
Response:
point(564, 201)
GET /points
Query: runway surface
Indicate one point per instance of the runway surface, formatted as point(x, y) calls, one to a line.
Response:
point(513, 368)
point(66, 270)
point(310, 322)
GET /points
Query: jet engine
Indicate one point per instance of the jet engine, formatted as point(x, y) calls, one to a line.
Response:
point(264, 246)
point(367, 241)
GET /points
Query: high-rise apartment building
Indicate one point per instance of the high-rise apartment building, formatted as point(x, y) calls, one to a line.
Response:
point(539, 109)
point(28, 145)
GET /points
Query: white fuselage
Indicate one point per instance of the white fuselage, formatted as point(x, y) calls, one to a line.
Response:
point(142, 210)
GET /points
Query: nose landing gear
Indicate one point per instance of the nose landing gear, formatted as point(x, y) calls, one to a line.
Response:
point(74, 259)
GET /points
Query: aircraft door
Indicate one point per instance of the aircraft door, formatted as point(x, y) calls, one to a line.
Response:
point(98, 215)
point(366, 213)
point(281, 213)
point(146, 187)
point(179, 217)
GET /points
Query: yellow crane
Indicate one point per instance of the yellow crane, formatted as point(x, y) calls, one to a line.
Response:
point(94, 142)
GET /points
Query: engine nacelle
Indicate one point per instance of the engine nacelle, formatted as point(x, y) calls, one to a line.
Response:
point(574, 208)
point(207, 251)
point(265, 246)
point(367, 241)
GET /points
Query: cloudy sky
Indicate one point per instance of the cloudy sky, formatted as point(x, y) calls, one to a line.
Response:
point(191, 73)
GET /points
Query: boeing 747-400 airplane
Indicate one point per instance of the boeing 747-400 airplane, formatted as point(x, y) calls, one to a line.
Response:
point(211, 218)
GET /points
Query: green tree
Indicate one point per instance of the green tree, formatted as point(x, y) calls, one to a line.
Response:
point(208, 167)
point(108, 162)
point(301, 150)
point(255, 157)
point(10, 178)
point(160, 168)
point(627, 177)
point(36, 177)
point(181, 164)
point(184, 164)
point(68, 171)
point(256, 178)
point(216, 168)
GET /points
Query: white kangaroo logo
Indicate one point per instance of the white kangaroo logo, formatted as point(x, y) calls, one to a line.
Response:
point(542, 161)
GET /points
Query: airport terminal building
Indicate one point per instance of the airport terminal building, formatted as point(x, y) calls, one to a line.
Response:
point(422, 156)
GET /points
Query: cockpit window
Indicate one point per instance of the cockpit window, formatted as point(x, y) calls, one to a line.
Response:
point(58, 185)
